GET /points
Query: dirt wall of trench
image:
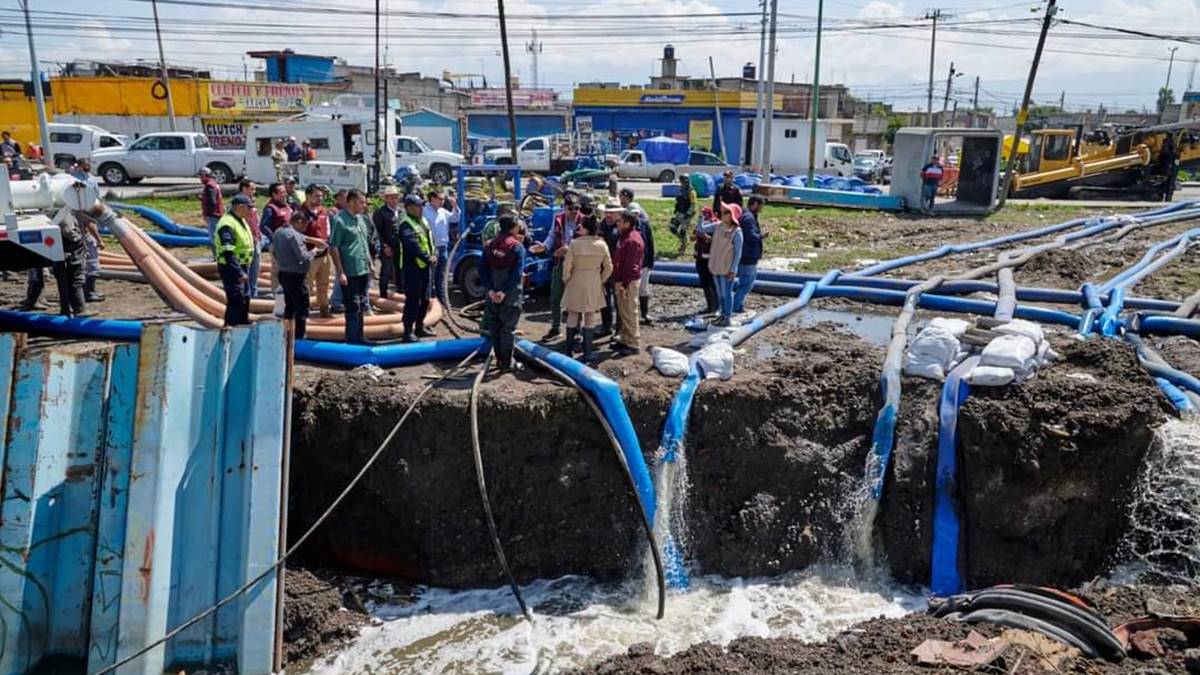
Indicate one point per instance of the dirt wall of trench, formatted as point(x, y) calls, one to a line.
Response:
point(774, 464)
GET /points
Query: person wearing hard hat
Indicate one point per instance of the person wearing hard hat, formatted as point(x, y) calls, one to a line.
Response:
point(235, 251)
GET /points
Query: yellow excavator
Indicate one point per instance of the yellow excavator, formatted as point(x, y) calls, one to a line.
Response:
point(1109, 163)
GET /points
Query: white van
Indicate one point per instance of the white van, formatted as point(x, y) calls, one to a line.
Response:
point(337, 142)
point(70, 142)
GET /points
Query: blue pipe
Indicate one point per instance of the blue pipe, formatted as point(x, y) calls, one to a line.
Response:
point(161, 219)
point(945, 577)
point(1178, 398)
point(1153, 324)
point(308, 351)
point(665, 273)
point(607, 395)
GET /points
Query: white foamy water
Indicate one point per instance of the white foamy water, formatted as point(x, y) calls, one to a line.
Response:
point(577, 622)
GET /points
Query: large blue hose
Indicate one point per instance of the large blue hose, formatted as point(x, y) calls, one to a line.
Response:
point(767, 280)
point(161, 219)
point(1152, 261)
point(945, 576)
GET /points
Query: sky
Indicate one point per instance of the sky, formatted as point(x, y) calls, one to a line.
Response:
point(878, 48)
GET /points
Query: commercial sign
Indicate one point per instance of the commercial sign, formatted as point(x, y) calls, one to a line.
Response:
point(238, 97)
point(662, 99)
point(224, 134)
point(522, 98)
point(700, 134)
point(583, 124)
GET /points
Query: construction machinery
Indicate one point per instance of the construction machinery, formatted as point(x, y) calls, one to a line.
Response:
point(1108, 163)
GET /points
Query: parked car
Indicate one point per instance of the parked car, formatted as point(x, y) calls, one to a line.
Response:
point(175, 155)
point(867, 169)
point(71, 142)
point(540, 153)
point(633, 164)
point(439, 165)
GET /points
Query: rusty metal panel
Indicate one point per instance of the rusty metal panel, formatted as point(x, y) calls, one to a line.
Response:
point(142, 484)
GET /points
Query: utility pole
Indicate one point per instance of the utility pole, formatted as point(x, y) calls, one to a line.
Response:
point(770, 102)
point(1062, 101)
point(759, 118)
point(162, 62)
point(512, 117)
point(815, 109)
point(378, 138)
point(712, 72)
point(933, 14)
point(975, 103)
point(946, 99)
point(1167, 86)
point(39, 96)
point(1023, 115)
point(534, 47)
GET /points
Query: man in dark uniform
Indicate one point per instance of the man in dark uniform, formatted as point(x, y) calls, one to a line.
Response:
point(501, 273)
point(386, 220)
point(420, 263)
point(235, 251)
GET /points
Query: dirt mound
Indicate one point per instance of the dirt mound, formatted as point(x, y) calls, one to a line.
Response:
point(1056, 267)
point(883, 645)
point(314, 617)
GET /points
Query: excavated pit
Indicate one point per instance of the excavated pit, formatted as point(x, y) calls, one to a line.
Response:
point(774, 465)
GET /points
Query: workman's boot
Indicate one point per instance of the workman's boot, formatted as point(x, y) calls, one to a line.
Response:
point(424, 332)
point(606, 322)
point(589, 354)
point(89, 290)
point(644, 307)
point(569, 345)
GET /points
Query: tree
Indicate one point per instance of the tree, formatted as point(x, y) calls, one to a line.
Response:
point(1166, 97)
point(894, 124)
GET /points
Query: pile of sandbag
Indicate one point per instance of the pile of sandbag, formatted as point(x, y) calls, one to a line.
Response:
point(1008, 352)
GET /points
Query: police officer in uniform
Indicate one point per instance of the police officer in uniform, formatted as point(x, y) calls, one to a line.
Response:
point(419, 265)
point(235, 251)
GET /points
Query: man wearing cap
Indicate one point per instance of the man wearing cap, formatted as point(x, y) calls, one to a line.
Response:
point(440, 219)
point(294, 152)
point(294, 196)
point(727, 193)
point(212, 205)
point(279, 159)
point(562, 231)
point(419, 264)
point(318, 228)
point(501, 273)
point(647, 233)
point(351, 238)
point(610, 233)
point(294, 258)
point(307, 151)
point(387, 227)
point(685, 212)
point(235, 251)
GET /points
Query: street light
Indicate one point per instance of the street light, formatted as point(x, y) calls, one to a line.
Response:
point(1162, 101)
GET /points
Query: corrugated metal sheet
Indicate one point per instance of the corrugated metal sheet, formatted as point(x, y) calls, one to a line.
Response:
point(142, 483)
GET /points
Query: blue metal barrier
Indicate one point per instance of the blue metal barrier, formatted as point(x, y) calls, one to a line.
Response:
point(142, 483)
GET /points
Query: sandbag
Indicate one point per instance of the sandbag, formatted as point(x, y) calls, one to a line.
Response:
point(956, 327)
point(715, 360)
point(990, 376)
point(669, 362)
point(1017, 352)
point(1029, 329)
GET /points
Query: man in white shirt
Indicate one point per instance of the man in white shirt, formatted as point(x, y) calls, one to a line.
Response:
point(440, 219)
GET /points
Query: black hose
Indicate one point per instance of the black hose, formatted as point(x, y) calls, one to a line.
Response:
point(483, 492)
point(451, 320)
point(1012, 619)
point(648, 526)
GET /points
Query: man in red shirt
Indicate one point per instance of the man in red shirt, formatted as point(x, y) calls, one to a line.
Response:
point(321, 269)
point(212, 203)
point(626, 277)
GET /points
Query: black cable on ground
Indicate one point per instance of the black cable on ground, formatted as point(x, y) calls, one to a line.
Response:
point(648, 526)
point(462, 365)
point(483, 492)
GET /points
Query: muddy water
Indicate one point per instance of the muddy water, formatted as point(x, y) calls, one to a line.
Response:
point(874, 328)
point(577, 622)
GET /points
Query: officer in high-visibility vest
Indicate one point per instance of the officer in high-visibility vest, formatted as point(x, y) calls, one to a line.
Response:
point(235, 251)
point(420, 264)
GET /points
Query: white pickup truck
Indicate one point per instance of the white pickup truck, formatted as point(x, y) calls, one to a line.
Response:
point(439, 165)
point(540, 154)
point(633, 164)
point(168, 154)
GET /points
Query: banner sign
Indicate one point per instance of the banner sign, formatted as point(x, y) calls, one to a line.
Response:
point(660, 99)
point(226, 134)
point(700, 135)
point(237, 97)
point(522, 98)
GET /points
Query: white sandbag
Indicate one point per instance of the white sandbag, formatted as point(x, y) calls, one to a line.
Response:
point(935, 344)
point(669, 362)
point(715, 360)
point(709, 337)
point(990, 376)
point(1029, 329)
point(917, 366)
point(1009, 351)
point(956, 327)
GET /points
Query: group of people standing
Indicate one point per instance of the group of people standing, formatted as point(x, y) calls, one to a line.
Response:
point(312, 244)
